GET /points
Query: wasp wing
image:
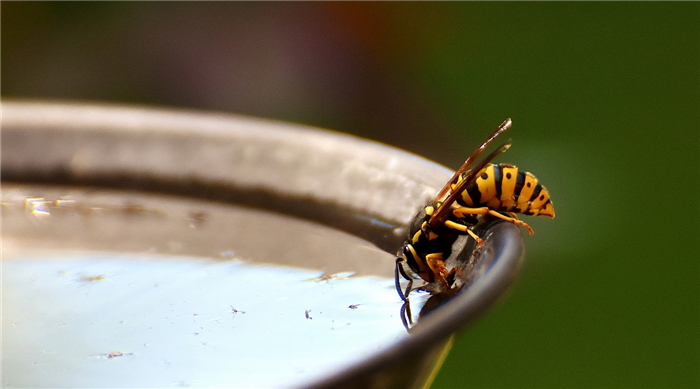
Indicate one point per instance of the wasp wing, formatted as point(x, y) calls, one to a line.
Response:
point(469, 178)
point(498, 131)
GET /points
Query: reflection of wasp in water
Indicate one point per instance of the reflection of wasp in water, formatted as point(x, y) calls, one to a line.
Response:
point(500, 190)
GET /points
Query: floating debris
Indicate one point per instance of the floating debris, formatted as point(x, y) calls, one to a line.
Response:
point(114, 354)
point(328, 278)
point(90, 278)
point(235, 311)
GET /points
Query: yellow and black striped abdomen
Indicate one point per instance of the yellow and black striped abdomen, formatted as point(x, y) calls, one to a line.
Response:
point(503, 187)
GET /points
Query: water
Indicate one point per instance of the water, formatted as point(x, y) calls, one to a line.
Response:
point(107, 289)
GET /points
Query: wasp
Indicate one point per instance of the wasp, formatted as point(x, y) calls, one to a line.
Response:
point(501, 190)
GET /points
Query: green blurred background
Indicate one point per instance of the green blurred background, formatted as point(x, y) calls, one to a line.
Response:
point(605, 100)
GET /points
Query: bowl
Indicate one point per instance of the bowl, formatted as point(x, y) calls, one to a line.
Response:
point(151, 247)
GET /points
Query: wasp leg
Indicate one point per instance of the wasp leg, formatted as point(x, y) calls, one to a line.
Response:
point(512, 215)
point(436, 264)
point(400, 270)
point(461, 211)
point(463, 228)
point(406, 315)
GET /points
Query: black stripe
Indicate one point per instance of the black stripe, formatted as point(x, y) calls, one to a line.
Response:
point(519, 183)
point(475, 194)
point(498, 177)
point(536, 193)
